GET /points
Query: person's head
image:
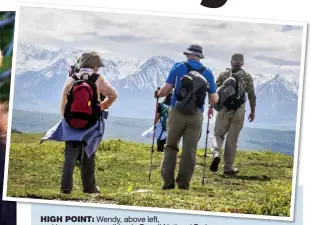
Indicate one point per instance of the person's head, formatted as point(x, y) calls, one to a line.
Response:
point(91, 60)
point(237, 60)
point(194, 52)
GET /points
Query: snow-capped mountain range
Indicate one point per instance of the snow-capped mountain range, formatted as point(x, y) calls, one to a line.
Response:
point(41, 73)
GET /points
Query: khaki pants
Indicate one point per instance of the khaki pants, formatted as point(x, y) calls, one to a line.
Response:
point(186, 127)
point(230, 123)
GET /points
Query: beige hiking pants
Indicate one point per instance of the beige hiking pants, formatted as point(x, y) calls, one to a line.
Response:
point(230, 123)
point(186, 127)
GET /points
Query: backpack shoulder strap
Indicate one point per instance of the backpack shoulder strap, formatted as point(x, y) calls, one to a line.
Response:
point(242, 76)
point(242, 72)
point(94, 77)
point(189, 68)
point(202, 70)
point(237, 88)
point(74, 76)
point(228, 72)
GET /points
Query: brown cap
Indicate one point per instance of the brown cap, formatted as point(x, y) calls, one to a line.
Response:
point(237, 56)
point(90, 60)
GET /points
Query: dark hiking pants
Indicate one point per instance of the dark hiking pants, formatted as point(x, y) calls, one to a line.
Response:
point(160, 145)
point(73, 150)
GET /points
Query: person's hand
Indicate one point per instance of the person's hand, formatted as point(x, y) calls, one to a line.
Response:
point(251, 117)
point(156, 93)
point(104, 105)
point(210, 112)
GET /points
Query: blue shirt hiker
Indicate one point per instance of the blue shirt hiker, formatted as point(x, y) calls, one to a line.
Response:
point(180, 69)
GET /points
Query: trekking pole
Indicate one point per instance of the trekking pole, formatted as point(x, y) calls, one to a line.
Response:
point(153, 135)
point(205, 153)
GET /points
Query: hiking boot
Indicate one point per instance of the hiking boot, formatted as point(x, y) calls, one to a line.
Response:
point(65, 191)
point(232, 172)
point(183, 187)
point(95, 190)
point(214, 164)
point(168, 187)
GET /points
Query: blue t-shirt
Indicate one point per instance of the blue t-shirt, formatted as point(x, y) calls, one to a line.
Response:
point(180, 69)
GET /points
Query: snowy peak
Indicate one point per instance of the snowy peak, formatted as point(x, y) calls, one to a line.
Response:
point(28, 52)
point(135, 73)
point(59, 65)
point(45, 71)
point(33, 58)
point(150, 75)
point(130, 74)
point(278, 80)
point(156, 65)
point(57, 68)
point(161, 60)
point(119, 69)
point(276, 88)
point(258, 79)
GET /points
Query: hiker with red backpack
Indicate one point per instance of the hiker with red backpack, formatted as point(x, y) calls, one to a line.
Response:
point(84, 114)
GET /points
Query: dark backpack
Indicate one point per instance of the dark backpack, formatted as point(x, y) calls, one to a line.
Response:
point(163, 115)
point(192, 93)
point(83, 108)
point(235, 101)
point(74, 70)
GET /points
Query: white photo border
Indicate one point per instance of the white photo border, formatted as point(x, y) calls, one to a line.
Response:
point(304, 25)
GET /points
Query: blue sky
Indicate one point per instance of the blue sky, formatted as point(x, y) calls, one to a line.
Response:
point(268, 49)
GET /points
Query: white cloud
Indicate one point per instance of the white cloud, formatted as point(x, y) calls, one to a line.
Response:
point(267, 48)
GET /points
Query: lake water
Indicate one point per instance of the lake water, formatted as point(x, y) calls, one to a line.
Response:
point(130, 129)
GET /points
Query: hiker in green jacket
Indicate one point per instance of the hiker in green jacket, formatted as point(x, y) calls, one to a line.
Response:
point(230, 119)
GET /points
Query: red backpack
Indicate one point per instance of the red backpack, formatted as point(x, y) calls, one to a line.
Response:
point(83, 108)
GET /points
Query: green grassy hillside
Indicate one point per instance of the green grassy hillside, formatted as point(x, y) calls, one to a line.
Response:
point(263, 186)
